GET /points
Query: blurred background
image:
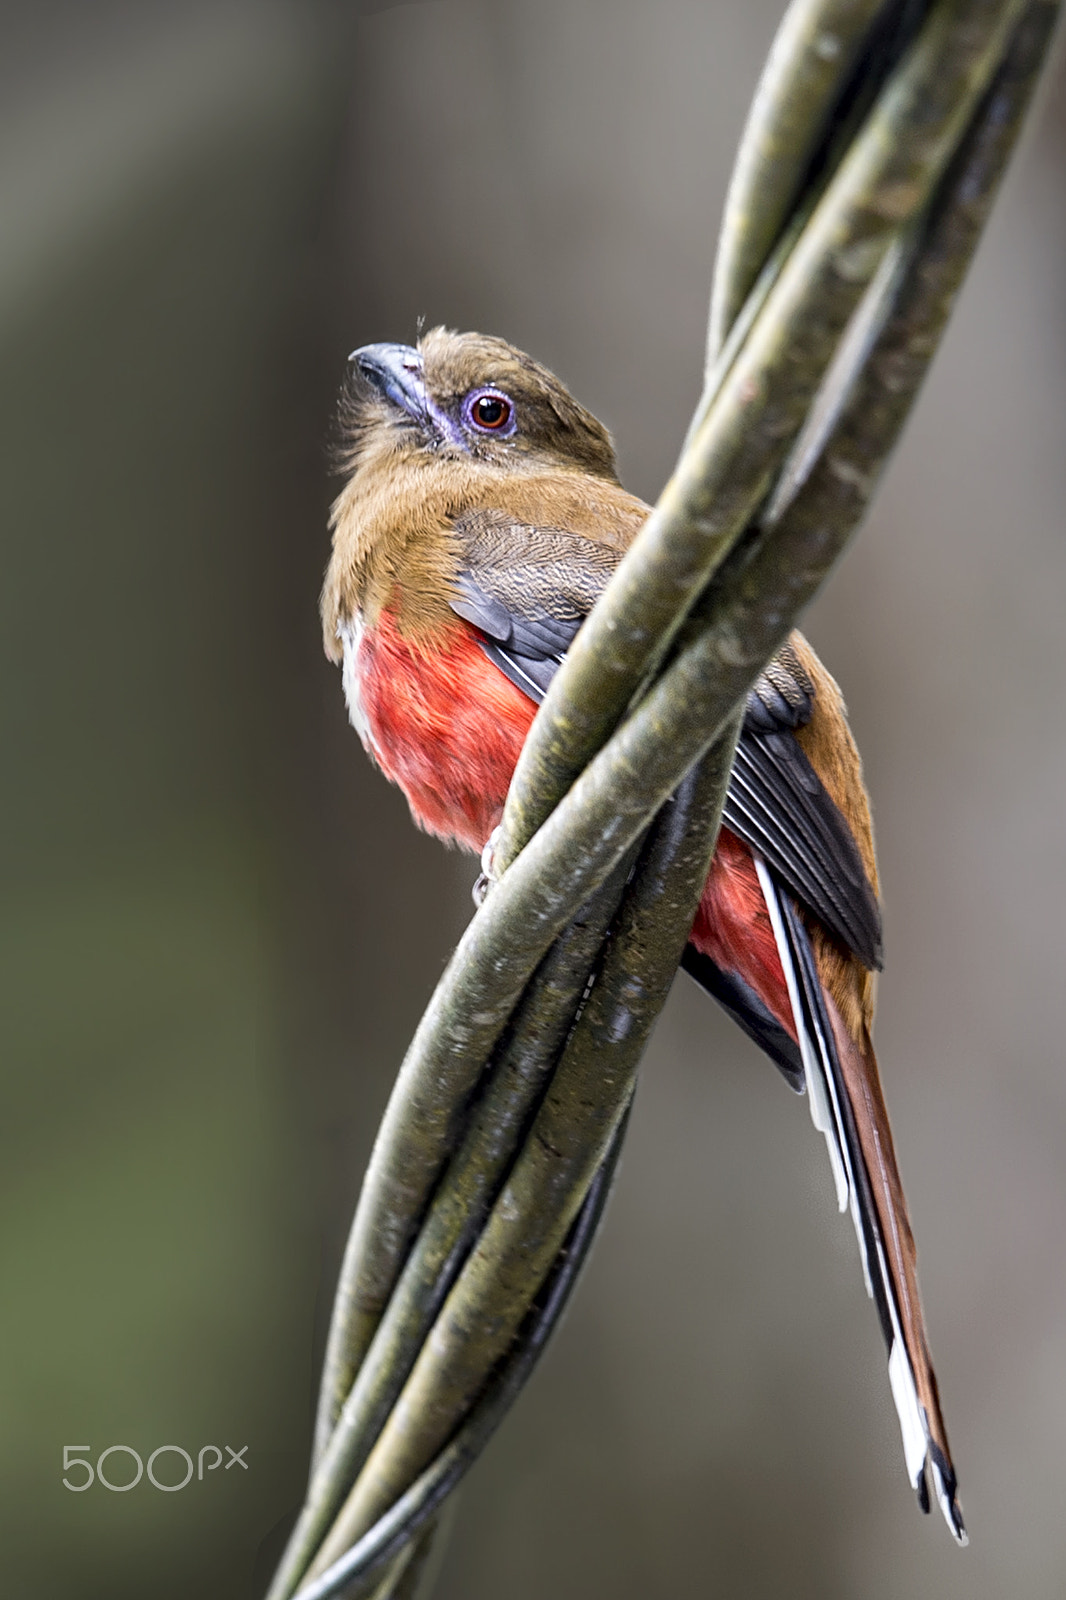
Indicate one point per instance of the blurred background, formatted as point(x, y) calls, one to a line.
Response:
point(219, 927)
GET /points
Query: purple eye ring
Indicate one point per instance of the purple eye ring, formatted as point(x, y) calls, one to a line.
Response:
point(489, 411)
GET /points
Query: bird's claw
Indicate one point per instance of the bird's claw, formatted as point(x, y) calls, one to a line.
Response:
point(487, 875)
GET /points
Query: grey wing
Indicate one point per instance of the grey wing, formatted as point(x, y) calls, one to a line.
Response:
point(528, 650)
point(779, 806)
point(527, 591)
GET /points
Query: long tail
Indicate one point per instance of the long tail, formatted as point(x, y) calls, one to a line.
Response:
point(848, 1108)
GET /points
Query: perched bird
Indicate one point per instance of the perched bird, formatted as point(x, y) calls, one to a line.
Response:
point(481, 520)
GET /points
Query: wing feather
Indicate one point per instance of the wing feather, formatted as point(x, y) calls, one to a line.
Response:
point(778, 805)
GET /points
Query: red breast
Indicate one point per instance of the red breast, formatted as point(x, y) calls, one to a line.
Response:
point(447, 726)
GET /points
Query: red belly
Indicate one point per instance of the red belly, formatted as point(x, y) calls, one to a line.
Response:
point(448, 727)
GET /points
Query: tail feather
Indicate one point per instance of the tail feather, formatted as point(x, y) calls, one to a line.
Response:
point(812, 1044)
point(848, 1108)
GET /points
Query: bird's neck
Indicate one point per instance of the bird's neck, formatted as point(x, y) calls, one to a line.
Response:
point(394, 544)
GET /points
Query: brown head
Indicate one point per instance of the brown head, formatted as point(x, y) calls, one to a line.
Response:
point(470, 398)
point(460, 422)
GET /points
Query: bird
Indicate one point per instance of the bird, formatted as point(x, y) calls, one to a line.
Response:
point(480, 519)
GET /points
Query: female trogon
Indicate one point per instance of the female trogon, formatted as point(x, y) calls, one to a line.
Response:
point(481, 519)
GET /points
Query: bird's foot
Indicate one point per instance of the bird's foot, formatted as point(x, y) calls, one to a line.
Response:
point(487, 876)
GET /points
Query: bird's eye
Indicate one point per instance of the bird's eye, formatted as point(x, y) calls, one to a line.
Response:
point(490, 411)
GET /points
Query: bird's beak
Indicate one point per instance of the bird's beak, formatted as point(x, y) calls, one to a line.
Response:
point(395, 370)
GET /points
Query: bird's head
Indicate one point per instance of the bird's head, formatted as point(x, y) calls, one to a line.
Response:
point(469, 398)
point(432, 432)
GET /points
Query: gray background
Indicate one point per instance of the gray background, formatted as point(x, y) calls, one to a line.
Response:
point(219, 928)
